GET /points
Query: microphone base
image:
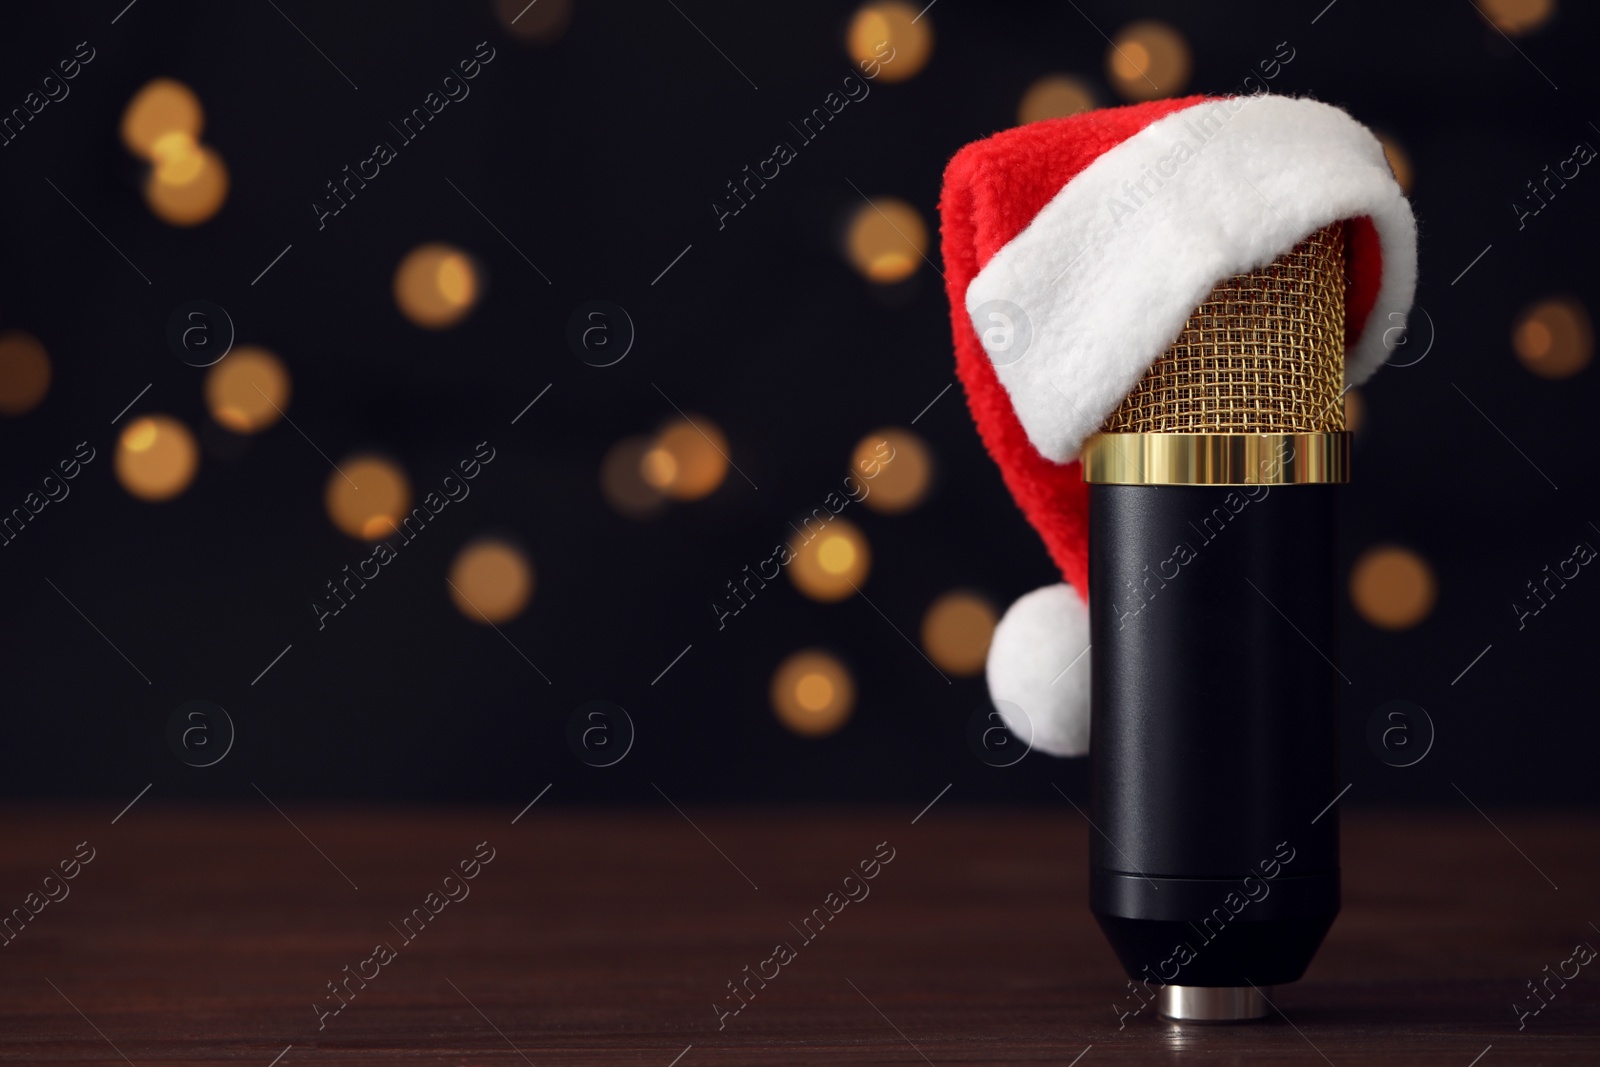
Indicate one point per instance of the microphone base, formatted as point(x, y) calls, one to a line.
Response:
point(1206, 932)
point(1211, 1004)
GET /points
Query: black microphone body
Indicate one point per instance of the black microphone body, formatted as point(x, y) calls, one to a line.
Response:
point(1214, 717)
point(1213, 609)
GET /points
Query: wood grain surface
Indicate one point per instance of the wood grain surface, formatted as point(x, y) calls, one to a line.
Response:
point(209, 936)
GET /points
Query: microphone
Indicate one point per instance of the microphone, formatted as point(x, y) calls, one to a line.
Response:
point(1212, 610)
point(1156, 311)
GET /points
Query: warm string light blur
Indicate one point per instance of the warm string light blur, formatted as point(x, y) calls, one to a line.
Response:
point(833, 563)
point(892, 34)
point(1392, 588)
point(903, 479)
point(1399, 162)
point(1554, 338)
point(188, 185)
point(367, 496)
point(436, 286)
point(24, 373)
point(1355, 409)
point(886, 240)
point(1147, 60)
point(534, 23)
point(161, 108)
point(622, 481)
point(1517, 17)
point(812, 693)
point(248, 391)
point(956, 630)
point(1054, 96)
point(188, 182)
point(687, 460)
point(156, 457)
point(491, 581)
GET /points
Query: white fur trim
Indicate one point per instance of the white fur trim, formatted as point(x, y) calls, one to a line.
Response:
point(1039, 670)
point(1107, 275)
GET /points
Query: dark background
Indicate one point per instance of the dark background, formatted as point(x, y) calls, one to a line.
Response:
point(599, 156)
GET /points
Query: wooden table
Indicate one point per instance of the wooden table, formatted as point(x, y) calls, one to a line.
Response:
point(206, 936)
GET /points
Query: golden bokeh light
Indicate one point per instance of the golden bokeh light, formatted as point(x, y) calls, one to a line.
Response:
point(491, 581)
point(1554, 338)
point(248, 391)
point(1399, 162)
point(367, 497)
point(536, 23)
point(188, 184)
point(24, 373)
point(812, 693)
point(904, 469)
point(162, 107)
point(156, 457)
point(834, 562)
point(1392, 588)
point(1054, 96)
point(687, 460)
point(956, 630)
point(1517, 17)
point(178, 159)
point(622, 480)
point(1355, 409)
point(886, 240)
point(1148, 59)
point(892, 35)
point(436, 285)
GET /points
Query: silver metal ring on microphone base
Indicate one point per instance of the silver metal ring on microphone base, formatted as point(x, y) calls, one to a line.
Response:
point(1211, 1004)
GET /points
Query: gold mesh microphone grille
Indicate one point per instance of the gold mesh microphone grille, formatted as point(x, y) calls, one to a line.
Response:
point(1263, 354)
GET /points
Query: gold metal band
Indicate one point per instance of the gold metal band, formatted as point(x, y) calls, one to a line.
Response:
point(1216, 458)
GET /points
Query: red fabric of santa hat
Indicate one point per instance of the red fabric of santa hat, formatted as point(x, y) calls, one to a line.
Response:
point(1075, 250)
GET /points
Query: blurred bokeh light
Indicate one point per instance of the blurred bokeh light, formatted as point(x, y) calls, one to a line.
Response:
point(24, 373)
point(163, 106)
point(1054, 96)
point(622, 480)
point(436, 285)
point(1392, 588)
point(248, 391)
point(367, 496)
point(156, 457)
point(178, 159)
point(687, 460)
point(902, 480)
point(1355, 409)
point(534, 21)
point(886, 240)
point(956, 630)
point(833, 563)
point(1399, 162)
point(188, 182)
point(1517, 17)
point(812, 693)
point(1147, 60)
point(893, 35)
point(491, 581)
point(188, 185)
point(1554, 338)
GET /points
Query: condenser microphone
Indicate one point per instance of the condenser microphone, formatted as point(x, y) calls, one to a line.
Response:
point(1213, 554)
point(1157, 310)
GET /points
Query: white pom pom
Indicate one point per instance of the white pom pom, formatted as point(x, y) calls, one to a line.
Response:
point(1039, 670)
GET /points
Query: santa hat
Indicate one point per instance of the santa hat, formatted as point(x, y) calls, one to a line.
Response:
point(1075, 251)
